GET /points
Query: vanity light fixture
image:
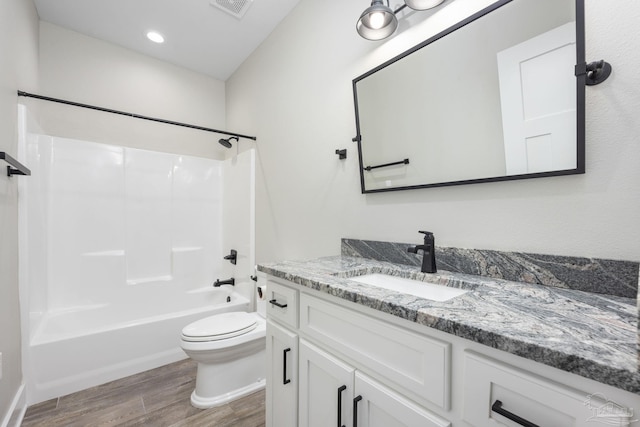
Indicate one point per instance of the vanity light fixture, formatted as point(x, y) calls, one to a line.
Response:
point(422, 4)
point(378, 21)
point(155, 37)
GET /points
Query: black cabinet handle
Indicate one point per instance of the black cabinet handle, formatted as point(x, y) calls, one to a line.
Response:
point(285, 380)
point(355, 410)
point(340, 390)
point(497, 408)
point(277, 304)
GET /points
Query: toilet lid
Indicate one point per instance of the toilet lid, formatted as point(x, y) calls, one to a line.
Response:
point(219, 327)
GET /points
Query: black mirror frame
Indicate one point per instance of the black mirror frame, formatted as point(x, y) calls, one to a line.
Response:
point(580, 104)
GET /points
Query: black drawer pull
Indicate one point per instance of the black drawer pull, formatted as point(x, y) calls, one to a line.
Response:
point(285, 380)
point(355, 410)
point(340, 390)
point(497, 408)
point(277, 304)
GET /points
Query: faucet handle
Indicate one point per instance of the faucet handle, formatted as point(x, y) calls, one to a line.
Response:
point(428, 237)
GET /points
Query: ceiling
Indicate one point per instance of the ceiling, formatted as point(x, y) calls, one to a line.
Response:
point(198, 36)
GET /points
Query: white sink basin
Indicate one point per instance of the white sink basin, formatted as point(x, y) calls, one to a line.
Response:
point(409, 286)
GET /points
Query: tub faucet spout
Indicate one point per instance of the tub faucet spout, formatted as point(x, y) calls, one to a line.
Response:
point(429, 252)
point(219, 282)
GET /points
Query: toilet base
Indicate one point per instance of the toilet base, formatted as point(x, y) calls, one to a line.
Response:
point(215, 401)
point(222, 382)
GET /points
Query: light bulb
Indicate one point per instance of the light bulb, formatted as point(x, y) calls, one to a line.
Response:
point(376, 20)
point(155, 37)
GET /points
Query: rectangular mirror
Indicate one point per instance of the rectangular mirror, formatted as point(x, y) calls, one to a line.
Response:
point(493, 98)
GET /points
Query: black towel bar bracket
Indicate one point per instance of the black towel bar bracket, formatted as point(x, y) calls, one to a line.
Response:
point(17, 169)
point(596, 72)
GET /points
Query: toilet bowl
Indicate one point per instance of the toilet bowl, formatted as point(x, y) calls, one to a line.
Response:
point(230, 349)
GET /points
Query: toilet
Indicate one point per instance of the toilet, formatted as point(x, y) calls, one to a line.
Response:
point(230, 349)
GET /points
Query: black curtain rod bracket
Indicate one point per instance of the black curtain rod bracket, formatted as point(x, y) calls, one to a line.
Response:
point(401, 162)
point(342, 154)
point(136, 116)
point(17, 169)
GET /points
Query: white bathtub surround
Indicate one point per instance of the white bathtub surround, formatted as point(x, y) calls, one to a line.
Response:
point(121, 247)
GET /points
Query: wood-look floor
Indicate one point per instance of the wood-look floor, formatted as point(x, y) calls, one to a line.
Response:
point(157, 398)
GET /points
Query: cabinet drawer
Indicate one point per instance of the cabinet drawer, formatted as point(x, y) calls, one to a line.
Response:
point(533, 398)
point(282, 303)
point(411, 363)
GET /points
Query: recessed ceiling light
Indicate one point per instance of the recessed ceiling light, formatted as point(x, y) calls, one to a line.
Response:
point(155, 37)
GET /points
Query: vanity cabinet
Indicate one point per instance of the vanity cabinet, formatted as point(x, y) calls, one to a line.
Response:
point(344, 359)
point(348, 361)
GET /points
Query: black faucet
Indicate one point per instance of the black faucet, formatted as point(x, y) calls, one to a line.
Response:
point(219, 282)
point(429, 255)
point(232, 257)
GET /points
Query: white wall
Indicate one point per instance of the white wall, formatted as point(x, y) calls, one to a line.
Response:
point(18, 70)
point(86, 70)
point(295, 94)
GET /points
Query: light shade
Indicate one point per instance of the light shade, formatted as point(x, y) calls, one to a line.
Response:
point(377, 21)
point(422, 4)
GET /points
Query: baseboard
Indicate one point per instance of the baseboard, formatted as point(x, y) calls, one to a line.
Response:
point(15, 414)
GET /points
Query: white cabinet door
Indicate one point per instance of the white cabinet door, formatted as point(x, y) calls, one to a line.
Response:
point(282, 377)
point(377, 406)
point(326, 388)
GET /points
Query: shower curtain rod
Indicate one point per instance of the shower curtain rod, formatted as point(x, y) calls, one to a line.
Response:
point(136, 116)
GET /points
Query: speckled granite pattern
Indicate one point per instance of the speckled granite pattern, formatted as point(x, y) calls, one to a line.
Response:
point(587, 274)
point(592, 335)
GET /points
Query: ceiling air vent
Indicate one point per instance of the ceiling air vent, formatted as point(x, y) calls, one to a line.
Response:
point(236, 8)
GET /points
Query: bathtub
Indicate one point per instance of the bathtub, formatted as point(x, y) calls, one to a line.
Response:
point(118, 250)
point(78, 348)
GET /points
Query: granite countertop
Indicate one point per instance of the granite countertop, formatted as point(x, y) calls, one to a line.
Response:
point(591, 335)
